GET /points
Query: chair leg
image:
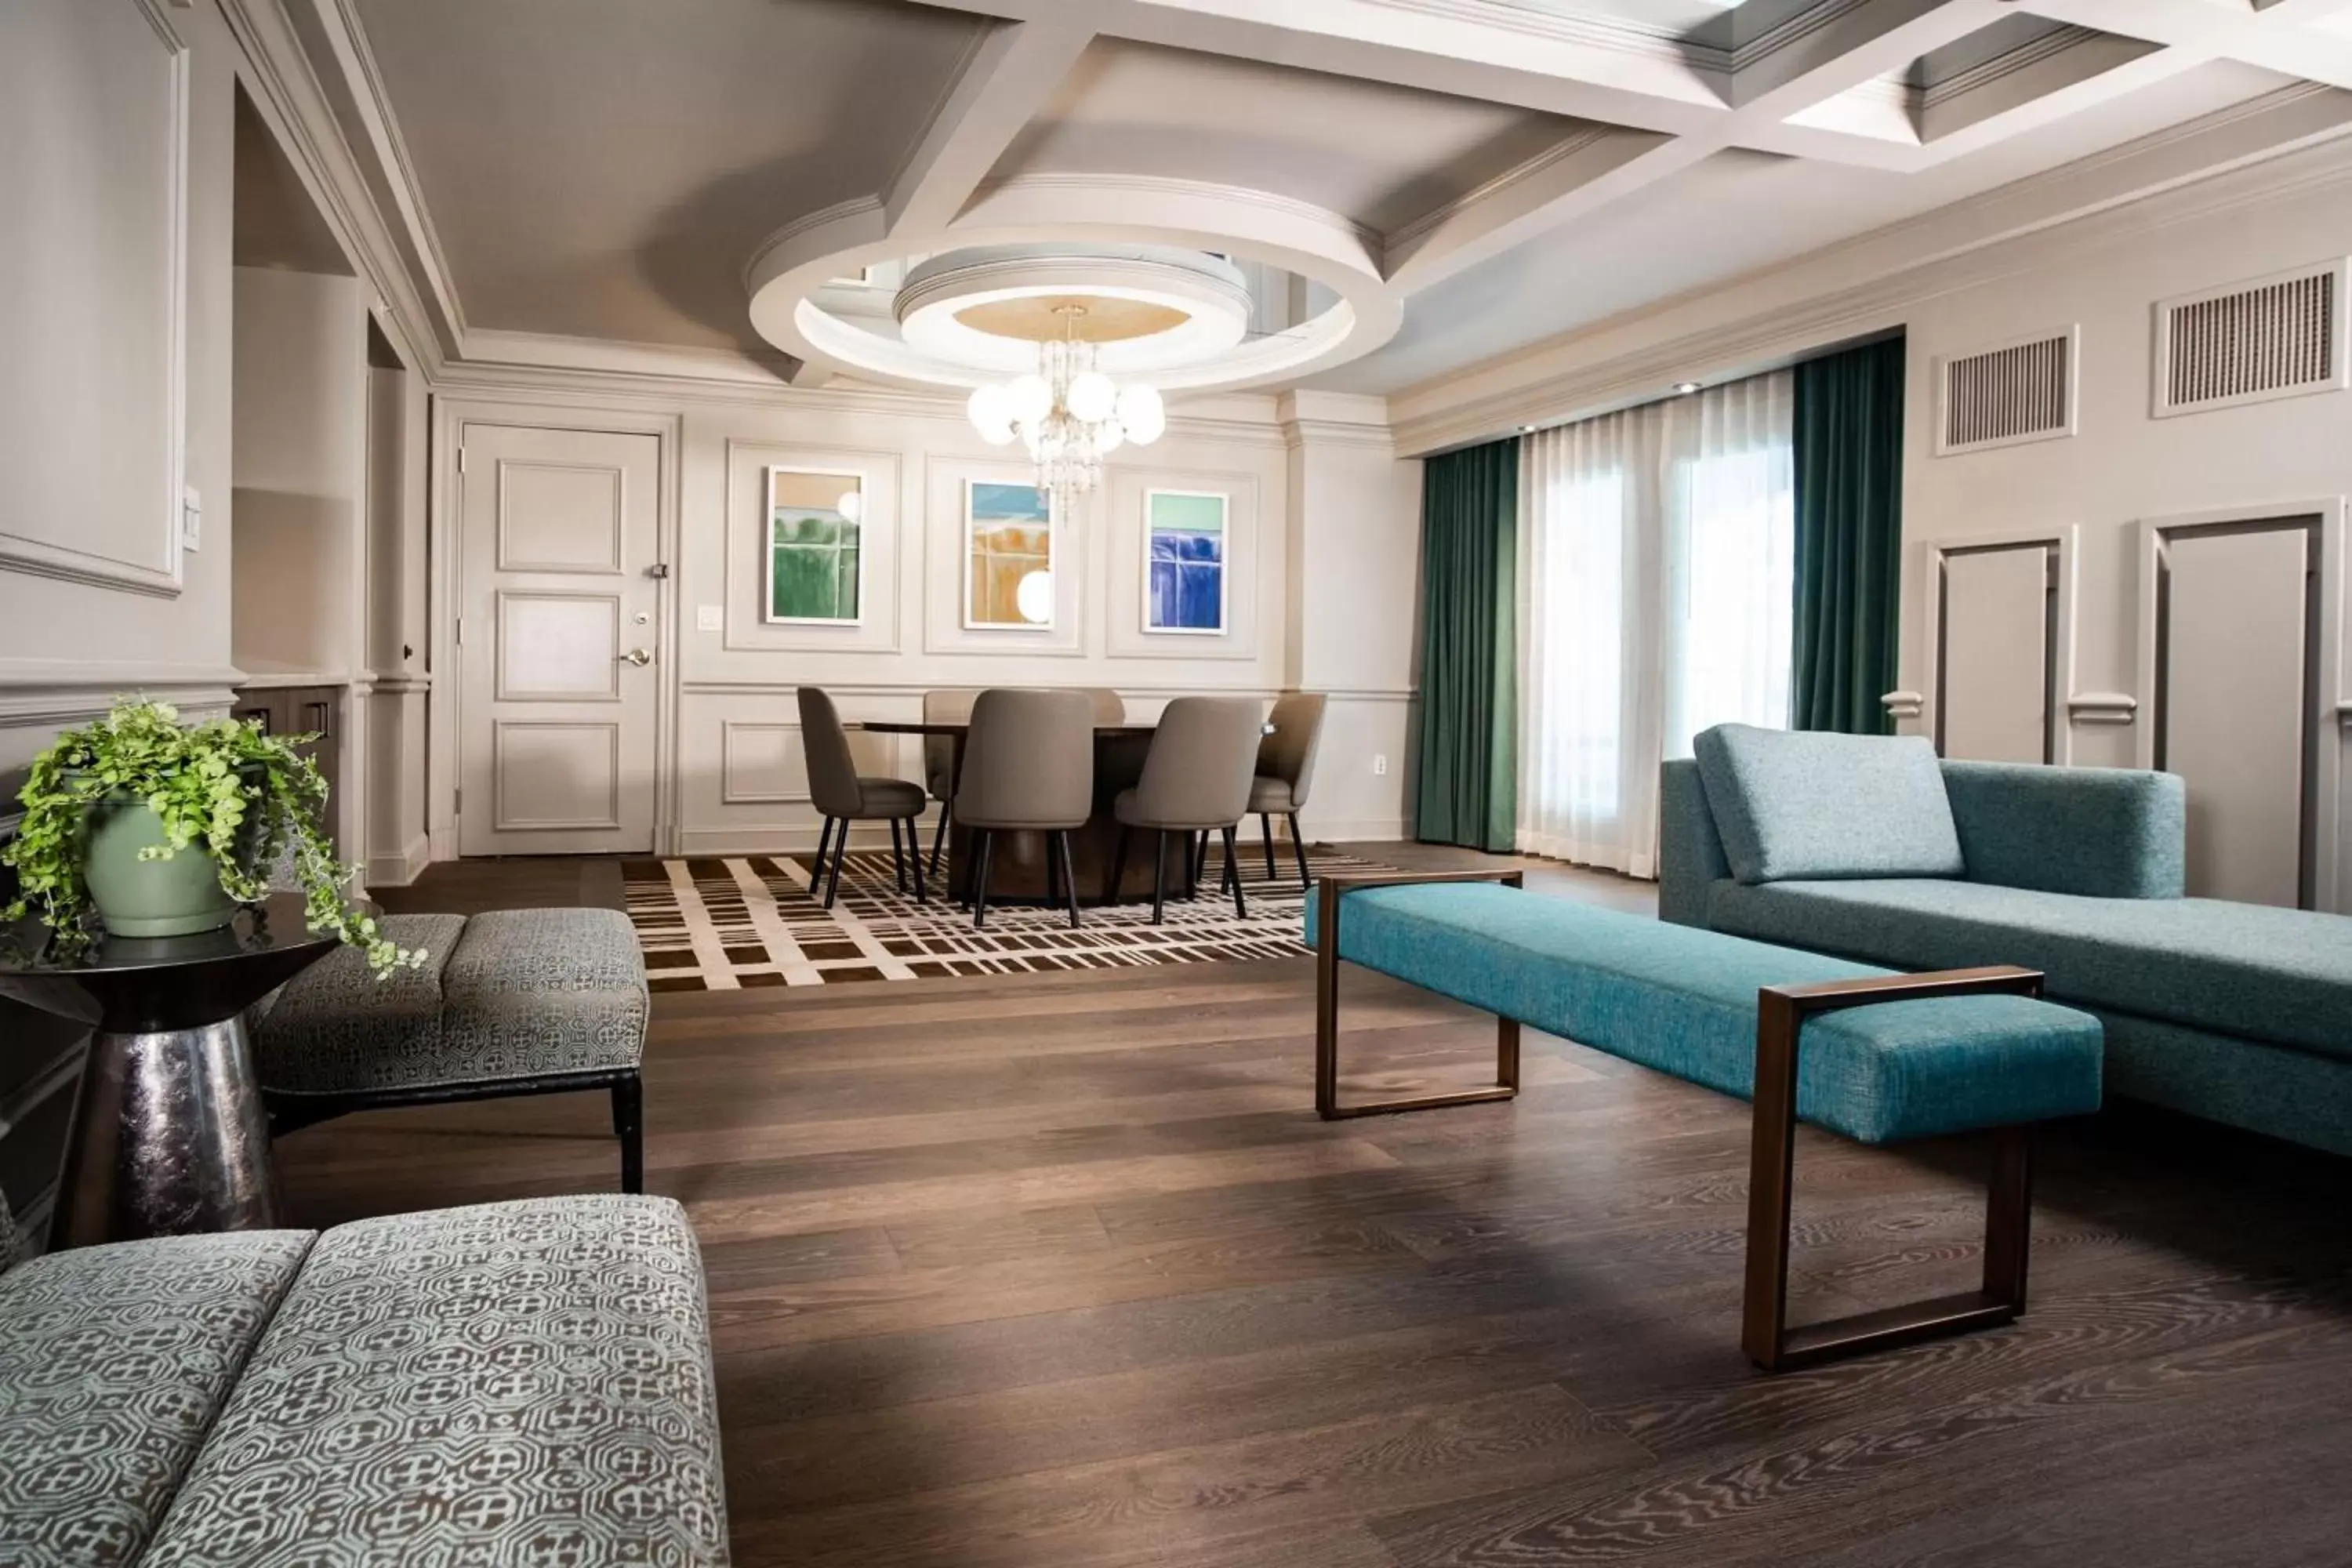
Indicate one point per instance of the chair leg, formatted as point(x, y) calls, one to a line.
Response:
point(1069, 874)
point(840, 853)
point(939, 840)
point(1265, 827)
point(898, 860)
point(823, 842)
point(914, 850)
point(980, 879)
point(1160, 878)
point(1200, 854)
point(1241, 909)
point(629, 1126)
point(1298, 847)
point(1117, 867)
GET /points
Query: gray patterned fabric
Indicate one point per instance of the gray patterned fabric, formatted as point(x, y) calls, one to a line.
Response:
point(113, 1362)
point(1792, 805)
point(508, 1384)
point(515, 993)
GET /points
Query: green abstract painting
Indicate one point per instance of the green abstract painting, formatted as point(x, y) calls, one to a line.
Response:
point(815, 537)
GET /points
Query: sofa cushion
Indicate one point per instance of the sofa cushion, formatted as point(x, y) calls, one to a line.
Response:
point(116, 1359)
point(2242, 969)
point(2105, 833)
point(1794, 803)
point(1683, 1002)
point(508, 1384)
point(533, 993)
point(335, 1027)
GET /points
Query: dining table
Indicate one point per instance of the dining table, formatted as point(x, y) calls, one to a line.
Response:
point(1017, 861)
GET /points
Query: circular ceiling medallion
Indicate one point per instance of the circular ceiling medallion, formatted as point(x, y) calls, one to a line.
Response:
point(1086, 318)
point(1147, 308)
point(1186, 285)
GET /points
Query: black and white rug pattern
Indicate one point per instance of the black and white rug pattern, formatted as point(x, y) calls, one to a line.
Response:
point(726, 923)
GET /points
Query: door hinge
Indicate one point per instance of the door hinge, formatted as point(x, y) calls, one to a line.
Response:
point(457, 632)
point(457, 803)
point(462, 456)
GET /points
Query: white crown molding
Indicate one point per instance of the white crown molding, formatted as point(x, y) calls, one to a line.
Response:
point(550, 351)
point(2286, 143)
point(1620, 33)
point(1518, 174)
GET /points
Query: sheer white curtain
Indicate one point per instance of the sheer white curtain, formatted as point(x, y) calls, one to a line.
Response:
point(1657, 560)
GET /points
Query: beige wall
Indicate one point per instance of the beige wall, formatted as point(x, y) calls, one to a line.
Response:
point(66, 645)
point(2124, 467)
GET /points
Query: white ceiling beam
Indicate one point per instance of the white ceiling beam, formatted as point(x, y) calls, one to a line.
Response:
point(1856, 47)
point(2278, 37)
point(1010, 74)
point(1579, 175)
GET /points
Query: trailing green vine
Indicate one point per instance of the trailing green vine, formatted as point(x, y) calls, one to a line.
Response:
point(222, 788)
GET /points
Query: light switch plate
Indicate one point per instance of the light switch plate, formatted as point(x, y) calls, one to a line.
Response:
point(709, 618)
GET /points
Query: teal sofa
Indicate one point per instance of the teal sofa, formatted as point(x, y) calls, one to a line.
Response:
point(1873, 849)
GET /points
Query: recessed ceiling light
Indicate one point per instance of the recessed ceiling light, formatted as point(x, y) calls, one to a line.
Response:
point(1686, 387)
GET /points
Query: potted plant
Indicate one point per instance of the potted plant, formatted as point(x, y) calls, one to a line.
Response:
point(159, 829)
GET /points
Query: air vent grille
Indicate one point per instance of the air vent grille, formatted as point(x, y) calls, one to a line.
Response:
point(2250, 343)
point(2002, 395)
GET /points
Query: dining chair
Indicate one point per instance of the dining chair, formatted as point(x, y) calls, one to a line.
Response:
point(1111, 708)
point(1028, 767)
point(842, 796)
point(1286, 766)
point(949, 705)
point(1196, 778)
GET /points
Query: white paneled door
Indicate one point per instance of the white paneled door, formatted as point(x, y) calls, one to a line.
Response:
point(558, 641)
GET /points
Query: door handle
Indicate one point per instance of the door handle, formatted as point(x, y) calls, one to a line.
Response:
point(638, 656)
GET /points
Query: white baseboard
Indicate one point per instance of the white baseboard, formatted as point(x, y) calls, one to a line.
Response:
point(402, 866)
point(1355, 830)
point(784, 838)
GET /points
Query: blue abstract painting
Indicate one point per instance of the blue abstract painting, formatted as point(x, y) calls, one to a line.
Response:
point(1186, 589)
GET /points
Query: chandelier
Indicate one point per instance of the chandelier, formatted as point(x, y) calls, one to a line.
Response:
point(1068, 414)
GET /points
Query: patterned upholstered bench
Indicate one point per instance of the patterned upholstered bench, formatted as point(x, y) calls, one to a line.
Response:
point(517, 1002)
point(1905, 1057)
point(514, 1382)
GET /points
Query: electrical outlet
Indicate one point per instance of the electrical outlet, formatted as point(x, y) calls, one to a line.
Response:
point(1381, 765)
point(709, 618)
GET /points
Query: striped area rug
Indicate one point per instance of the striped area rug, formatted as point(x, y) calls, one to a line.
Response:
point(720, 924)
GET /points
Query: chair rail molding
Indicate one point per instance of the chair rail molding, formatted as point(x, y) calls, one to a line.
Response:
point(2102, 708)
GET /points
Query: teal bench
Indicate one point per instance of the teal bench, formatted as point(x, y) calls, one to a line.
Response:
point(1887, 1057)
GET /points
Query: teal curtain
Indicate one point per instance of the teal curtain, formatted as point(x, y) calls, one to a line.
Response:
point(1849, 496)
point(1468, 776)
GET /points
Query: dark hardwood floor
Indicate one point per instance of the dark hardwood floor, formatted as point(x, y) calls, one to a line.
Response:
point(1063, 1270)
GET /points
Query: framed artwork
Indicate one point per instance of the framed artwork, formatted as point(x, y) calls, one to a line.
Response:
point(1008, 557)
point(1184, 563)
point(815, 555)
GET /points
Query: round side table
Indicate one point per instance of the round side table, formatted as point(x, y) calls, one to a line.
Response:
point(170, 1137)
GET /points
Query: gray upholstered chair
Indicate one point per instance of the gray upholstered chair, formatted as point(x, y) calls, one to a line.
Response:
point(1028, 767)
point(1286, 766)
point(1110, 707)
point(949, 705)
point(842, 797)
point(1196, 778)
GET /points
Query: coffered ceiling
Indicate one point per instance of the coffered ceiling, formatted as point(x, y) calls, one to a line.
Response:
point(649, 187)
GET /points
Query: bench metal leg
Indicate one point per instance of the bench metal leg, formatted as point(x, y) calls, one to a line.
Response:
point(1327, 1005)
point(1766, 1335)
point(629, 1122)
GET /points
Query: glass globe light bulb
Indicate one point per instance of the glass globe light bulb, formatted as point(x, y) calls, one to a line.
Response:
point(1092, 397)
point(1033, 597)
point(1029, 399)
point(1109, 436)
point(851, 505)
point(991, 409)
point(1142, 414)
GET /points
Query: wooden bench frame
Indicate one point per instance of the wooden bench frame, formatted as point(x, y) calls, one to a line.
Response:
point(1781, 1010)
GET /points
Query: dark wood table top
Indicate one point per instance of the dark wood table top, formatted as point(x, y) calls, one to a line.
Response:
point(925, 727)
point(133, 984)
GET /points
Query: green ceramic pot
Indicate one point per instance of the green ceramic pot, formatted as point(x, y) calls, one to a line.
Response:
point(176, 897)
